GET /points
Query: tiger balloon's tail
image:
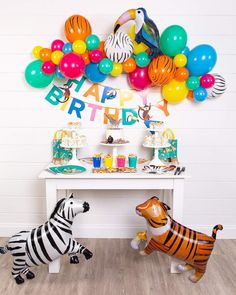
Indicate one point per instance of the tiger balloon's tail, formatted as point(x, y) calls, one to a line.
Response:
point(3, 250)
point(215, 229)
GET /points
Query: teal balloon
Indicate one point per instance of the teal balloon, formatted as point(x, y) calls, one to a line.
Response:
point(200, 94)
point(35, 77)
point(105, 66)
point(142, 59)
point(192, 83)
point(173, 40)
point(92, 42)
point(201, 60)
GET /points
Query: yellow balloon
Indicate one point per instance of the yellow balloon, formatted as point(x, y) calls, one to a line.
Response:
point(56, 56)
point(117, 69)
point(36, 51)
point(141, 47)
point(174, 91)
point(180, 60)
point(79, 46)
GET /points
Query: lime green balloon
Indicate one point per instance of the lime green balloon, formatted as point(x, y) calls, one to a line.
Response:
point(173, 40)
point(92, 42)
point(142, 59)
point(35, 77)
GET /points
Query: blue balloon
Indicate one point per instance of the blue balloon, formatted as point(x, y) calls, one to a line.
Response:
point(200, 94)
point(93, 73)
point(185, 51)
point(67, 47)
point(59, 74)
point(201, 60)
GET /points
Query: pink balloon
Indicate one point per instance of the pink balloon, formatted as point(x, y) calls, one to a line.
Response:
point(57, 45)
point(48, 67)
point(95, 55)
point(72, 65)
point(207, 81)
point(139, 79)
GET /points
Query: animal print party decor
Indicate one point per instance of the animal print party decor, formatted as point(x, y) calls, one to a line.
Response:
point(166, 235)
point(148, 58)
point(47, 242)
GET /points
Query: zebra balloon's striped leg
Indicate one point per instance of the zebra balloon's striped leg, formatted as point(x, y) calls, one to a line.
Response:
point(78, 248)
point(74, 259)
point(29, 274)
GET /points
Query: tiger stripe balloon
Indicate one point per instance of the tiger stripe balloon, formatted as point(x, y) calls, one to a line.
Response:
point(166, 235)
point(161, 70)
point(118, 47)
point(218, 88)
point(77, 27)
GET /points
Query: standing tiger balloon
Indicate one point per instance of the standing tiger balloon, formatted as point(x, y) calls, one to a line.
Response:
point(161, 70)
point(166, 235)
point(77, 27)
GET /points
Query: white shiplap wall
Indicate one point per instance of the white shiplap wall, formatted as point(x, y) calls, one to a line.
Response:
point(206, 132)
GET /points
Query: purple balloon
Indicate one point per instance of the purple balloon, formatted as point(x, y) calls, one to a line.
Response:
point(139, 79)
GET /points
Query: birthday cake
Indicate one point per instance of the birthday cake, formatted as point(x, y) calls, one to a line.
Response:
point(71, 136)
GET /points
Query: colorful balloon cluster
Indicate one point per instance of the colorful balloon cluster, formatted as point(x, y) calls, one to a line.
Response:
point(179, 72)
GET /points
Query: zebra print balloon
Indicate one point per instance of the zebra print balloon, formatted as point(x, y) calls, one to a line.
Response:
point(47, 242)
point(118, 47)
point(218, 88)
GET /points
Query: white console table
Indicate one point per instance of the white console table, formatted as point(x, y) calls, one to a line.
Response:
point(116, 181)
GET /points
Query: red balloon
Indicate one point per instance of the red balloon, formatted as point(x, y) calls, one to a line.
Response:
point(72, 65)
point(48, 67)
point(95, 55)
point(207, 81)
point(57, 45)
point(139, 79)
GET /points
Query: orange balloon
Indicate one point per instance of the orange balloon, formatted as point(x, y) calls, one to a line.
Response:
point(129, 65)
point(101, 48)
point(190, 95)
point(161, 70)
point(77, 27)
point(85, 57)
point(181, 74)
point(45, 54)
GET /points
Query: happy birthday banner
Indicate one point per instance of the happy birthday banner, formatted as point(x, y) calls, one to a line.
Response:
point(95, 101)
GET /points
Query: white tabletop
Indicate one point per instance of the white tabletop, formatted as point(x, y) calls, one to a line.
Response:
point(88, 174)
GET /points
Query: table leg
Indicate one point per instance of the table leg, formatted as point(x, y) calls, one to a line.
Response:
point(51, 200)
point(177, 213)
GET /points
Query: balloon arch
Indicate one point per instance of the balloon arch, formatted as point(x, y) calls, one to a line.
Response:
point(148, 59)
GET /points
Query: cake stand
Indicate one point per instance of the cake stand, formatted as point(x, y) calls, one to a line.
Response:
point(114, 150)
point(74, 160)
point(156, 161)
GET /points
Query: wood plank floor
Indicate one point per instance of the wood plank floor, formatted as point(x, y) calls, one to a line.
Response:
point(117, 269)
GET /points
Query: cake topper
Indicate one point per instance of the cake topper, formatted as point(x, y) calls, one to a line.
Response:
point(113, 122)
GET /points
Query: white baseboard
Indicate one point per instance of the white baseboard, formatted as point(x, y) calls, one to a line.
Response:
point(114, 231)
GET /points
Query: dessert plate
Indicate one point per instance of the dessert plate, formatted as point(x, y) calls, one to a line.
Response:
point(67, 169)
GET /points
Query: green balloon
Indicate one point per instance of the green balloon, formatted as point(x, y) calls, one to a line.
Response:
point(142, 59)
point(92, 42)
point(193, 83)
point(173, 40)
point(35, 77)
point(105, 66)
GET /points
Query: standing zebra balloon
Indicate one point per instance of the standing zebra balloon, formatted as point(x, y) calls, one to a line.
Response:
point(47, 242)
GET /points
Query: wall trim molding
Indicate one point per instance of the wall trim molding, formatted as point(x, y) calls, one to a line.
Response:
point(114, 231)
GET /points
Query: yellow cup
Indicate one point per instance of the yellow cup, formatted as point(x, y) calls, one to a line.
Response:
point(108, 162)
